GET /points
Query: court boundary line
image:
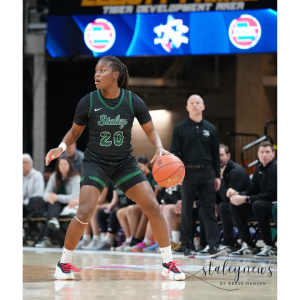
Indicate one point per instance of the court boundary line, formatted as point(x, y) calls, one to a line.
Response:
point(146, 254)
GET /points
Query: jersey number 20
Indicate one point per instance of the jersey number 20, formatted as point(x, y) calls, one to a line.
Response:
point(118, 138)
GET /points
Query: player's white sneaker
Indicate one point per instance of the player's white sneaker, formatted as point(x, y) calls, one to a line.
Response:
point(63, 271)
point(172, 271)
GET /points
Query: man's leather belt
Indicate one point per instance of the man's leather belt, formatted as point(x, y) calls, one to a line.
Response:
point(196, 166)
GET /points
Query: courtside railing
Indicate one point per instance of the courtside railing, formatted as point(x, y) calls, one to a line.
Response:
point(236, 141)
point(248, 150)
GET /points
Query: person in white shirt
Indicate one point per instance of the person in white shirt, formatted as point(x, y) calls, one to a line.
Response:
point(33, 182)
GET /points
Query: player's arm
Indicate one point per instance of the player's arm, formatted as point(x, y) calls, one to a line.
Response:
point(70, 138)
point(155, 140)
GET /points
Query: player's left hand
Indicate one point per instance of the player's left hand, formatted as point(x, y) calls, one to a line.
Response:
point(160, 151)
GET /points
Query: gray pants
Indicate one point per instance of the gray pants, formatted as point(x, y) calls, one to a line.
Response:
point(203, 181)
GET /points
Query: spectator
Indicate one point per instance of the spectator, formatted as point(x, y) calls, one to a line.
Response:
point(103, 232)
point(76, 157)
point(62, 187)
point(47, 173)
point(143, 164)
point(169, 200)
point(124, 202)
point(108, 196)
point(232, 176)
point(110, 228)
point(33, 182)
point(195, 142)
point(132, 220)
point(258, 198)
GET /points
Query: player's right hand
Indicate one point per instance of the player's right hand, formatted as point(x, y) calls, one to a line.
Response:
point(52, 154)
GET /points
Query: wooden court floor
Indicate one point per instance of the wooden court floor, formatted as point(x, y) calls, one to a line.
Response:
point(114, 275)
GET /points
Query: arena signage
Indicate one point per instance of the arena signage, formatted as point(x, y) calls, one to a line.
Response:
point(191, 33)
point(70, 7)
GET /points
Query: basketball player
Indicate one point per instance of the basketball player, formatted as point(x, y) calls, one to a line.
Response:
point(109, 112)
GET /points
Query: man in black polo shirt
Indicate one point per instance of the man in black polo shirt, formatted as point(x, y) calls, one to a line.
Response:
point(195, 142)
point(258, 198)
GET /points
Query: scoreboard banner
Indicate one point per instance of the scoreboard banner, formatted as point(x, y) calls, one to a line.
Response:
point(71, 7)
point(190, 33)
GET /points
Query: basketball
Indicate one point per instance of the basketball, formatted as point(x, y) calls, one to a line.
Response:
point(168, 171)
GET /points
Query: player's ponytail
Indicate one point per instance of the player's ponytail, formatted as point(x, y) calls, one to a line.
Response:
point(123, 79)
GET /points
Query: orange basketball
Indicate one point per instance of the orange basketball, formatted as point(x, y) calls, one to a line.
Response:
point(168, 171)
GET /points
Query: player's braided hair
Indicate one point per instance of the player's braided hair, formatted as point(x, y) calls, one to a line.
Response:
point(118, 66)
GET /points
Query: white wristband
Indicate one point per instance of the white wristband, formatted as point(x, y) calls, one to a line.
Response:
point(63, 146)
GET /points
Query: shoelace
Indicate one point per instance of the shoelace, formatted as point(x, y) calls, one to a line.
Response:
point(172, 266)
point(68, 267)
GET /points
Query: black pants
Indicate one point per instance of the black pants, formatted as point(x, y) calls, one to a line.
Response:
point(227, 223)
point(203, 181)
point(262, 211)
point(203, 241)
point(113, 223)
point(53, 212)
point(25, 210)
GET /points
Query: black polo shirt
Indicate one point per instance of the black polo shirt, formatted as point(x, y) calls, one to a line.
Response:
point(196, 143)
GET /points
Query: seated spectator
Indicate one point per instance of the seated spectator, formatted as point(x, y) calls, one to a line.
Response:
point(76, 157)
point(63, 187)
point(124, 202)
point(169, 200)
point(107, 197)
point(132, 219)
point(33, 183)
point(258, 198)
point(232, 176)
point(47, 173)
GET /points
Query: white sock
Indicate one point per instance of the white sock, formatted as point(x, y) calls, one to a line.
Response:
point(97, 238)
point(128, 240)
point(103, 238)
point(166, 254)
point(147, 242)
point(175, 236)
point(86, 237)
point(66, 256)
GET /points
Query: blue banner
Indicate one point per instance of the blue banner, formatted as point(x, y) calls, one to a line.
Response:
point(192, 33)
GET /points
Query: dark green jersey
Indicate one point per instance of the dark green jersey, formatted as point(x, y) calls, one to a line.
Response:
point(110, 122)
point(110, 127)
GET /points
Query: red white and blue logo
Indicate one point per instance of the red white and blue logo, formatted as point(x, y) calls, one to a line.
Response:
point(100, 35)
point(244, 32)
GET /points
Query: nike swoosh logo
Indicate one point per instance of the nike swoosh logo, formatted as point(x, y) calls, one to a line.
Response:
point(98, 109)
point(247, 252)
